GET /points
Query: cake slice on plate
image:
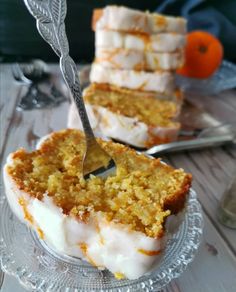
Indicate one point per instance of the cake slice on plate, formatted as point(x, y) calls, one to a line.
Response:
point(117, 222)
point(141, 120)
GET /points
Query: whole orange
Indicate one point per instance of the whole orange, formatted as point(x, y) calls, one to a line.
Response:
point(203, 55)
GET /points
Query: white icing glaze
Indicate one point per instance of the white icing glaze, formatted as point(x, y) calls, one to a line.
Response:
point(162, 43)
point(138, 60)
point(126, 19)
point(159, 81)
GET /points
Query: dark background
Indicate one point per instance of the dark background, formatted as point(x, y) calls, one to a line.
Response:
point(19, 39)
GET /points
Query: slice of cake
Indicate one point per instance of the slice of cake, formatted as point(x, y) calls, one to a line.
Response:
point(140, 120)
point(131, 20)
point(116, 222)
point(162, 43)
point(130, 59)
point(159, 81)
point(176, 96)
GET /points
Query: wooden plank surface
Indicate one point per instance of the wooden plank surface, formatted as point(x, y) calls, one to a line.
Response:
point(214, 267)
point(9, 91)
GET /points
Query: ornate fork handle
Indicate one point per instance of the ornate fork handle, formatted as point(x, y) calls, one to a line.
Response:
point(69, 72)
point(50, 16)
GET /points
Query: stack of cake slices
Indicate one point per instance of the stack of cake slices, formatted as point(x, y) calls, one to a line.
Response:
point(132, 97)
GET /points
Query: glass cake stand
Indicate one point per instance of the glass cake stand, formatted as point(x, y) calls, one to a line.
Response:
point(39, 268)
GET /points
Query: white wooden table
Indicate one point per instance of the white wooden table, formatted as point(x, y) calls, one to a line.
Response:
point(214, 268)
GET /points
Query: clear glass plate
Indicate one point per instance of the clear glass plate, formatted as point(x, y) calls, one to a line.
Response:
point(38, 268)
point(224, 78)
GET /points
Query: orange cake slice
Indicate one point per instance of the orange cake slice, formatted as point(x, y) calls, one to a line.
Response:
point(131, 20)
point(117, 222)
point(141, 120)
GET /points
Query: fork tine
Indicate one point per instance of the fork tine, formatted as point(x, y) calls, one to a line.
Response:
point(103, 171)
point(18, 74)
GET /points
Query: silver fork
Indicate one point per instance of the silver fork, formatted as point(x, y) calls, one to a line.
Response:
point(50, 16)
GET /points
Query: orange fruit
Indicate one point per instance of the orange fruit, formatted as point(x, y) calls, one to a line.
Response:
point(203, 55)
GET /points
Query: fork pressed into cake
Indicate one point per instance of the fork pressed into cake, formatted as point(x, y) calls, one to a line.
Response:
point(116, 222)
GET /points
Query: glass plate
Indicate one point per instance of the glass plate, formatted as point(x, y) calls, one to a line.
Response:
point(224, 78)
point(38, 268)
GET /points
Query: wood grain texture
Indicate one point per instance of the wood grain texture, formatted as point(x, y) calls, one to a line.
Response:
point(214, 267)
point(215, 264)
point(9, 91)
